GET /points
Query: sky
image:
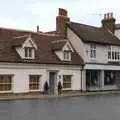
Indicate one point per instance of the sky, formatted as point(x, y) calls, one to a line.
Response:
point(27, 14)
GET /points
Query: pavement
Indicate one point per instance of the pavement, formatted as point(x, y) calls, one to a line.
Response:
point(47, 96)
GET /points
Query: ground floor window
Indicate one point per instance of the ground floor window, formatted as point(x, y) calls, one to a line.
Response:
point(5, 82)
point(67, 81)
point(34, 82)
point(92, 78)
point(109, 78)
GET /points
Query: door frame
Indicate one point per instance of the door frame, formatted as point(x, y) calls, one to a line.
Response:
point(55, 91)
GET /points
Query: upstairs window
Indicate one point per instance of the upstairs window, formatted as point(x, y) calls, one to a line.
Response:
point(67, 55)
point(113, 54)
point(29, 52)
point(92, 50)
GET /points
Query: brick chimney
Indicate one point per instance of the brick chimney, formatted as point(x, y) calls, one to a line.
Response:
point(61, 21)
point(108, 22)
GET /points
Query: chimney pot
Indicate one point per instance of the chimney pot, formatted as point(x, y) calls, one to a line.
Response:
point(62, 12)
point(109, 22)
point(105, 16)
point(111, 15)
point(37, 28)
point(108, 16)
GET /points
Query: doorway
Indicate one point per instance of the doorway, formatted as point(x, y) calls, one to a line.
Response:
point(52, 82)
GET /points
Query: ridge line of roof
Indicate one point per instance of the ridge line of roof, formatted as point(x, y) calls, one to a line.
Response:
point(85, 25)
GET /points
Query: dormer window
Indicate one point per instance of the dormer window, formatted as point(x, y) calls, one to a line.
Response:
point(29, 52)
point(67, 55)
point(63, 50)
point(25, 46)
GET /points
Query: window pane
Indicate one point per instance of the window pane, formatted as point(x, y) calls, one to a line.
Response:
point(7, 87)
point(92, 50)
point(5, 82)
point(67, 81)
point(92, 78)
point(66, 85)
point(109, 78)
point(109, 55)
point(67, 55)
point(30, 52)
point(34, 82)
point(113, 55)
point(1, 87)
point(26, 52)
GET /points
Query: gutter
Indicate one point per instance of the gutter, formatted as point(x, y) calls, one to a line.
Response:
point(81, 78)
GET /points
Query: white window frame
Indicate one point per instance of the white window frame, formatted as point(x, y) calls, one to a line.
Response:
point(67, 55)
point(7, 91)
point(29, 52)
point(32, 90)
point(92, 51)
point(113, 55)
point(67, 82)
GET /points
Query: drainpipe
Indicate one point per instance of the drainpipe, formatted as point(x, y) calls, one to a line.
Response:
point(81, 77)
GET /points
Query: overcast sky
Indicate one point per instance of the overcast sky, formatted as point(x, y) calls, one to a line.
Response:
point(26, 14)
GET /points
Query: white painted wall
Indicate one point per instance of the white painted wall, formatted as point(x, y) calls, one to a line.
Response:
point(77, 43)
point(21, 74)
point(59, 53)
point(102, 67)
point(76, 78)
point(68, 47)
point(117, 33)
point(20, 51)
point(101, 53)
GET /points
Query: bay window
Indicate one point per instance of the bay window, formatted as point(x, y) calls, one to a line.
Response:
point(113, 53)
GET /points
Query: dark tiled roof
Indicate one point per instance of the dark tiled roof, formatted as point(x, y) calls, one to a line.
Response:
point(58, 44)
point(50, 32)
point(93, 34)
point(19, 40)
point(44, 53)
point(117, 26)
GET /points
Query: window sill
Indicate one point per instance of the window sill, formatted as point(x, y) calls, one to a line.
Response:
point(27, 58)
point(5, 91)
point(67, 60)
point(34, 90)
point(67, 89)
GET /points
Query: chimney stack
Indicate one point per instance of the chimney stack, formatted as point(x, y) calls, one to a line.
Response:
point(61, 21)
point(108, 22)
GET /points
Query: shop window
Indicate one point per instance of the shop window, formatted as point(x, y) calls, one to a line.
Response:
point(92, 78)
point(109, 78)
